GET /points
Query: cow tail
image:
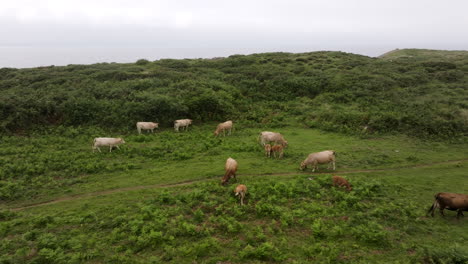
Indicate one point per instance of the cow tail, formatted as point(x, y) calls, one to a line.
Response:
point(433, 207)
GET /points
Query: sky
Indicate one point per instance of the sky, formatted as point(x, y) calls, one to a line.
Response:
point(61, 32)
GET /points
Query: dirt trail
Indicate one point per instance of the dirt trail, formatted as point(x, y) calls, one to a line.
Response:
point(188, 182)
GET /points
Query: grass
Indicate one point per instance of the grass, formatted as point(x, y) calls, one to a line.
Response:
point(289, 217)
point(50, 166)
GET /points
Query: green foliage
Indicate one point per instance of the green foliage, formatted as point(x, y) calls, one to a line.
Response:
point(446, 254)
point(417, 92)
point(158, 199)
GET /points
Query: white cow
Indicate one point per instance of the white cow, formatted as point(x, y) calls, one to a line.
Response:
point(223, 127)
point(146, 126)
point(266, 137)
point(327, 156)
point(111, 142)
point(182, 123)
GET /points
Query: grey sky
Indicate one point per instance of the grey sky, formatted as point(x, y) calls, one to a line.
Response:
point(61, 32)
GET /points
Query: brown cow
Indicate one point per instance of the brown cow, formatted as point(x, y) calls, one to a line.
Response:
point(277, 149)
point(340, 181)
point(241, 190)
point(451, 201)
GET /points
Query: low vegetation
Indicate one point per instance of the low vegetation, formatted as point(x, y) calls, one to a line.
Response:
point(292, 217)
point(422, 94)
point(398, 125)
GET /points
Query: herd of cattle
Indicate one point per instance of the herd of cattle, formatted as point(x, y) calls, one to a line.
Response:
point(275, 143)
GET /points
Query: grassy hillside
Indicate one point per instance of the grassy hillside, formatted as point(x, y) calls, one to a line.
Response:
point(333, 91)
point(426, 55)
point(159, 199)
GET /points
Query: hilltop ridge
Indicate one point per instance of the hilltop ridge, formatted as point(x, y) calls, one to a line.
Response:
point(417, 92)
point(425, 54)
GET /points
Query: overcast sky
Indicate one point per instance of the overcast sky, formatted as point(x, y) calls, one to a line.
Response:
point(60, 32)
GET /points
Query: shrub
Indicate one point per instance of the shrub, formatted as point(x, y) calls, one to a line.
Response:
point(142, 62)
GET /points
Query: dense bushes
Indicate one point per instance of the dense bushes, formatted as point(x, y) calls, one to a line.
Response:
point(418, 95)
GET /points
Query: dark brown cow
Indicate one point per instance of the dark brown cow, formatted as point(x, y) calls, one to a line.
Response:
point(451, 201)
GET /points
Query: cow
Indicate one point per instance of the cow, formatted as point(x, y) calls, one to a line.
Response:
point(327, 156)
point(266, 137)
point(223, 127)
point(111, 142)
point(146, 126)
point(341, 182)
point(182, 123)
point(241, 190)
point(230, 169)
point(277, 149)
point(451, 201)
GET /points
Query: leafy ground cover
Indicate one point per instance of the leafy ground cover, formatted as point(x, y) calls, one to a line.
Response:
point(61, 162)
point(289, 216)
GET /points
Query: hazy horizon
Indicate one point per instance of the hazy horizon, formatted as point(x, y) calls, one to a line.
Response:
point(54, 32)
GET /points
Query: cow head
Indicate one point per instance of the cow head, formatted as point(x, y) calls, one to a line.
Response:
point(303, 165)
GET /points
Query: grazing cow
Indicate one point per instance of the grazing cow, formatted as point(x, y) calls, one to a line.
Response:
point(327, 156)
point(268, 150)
point(182, 123)
point(231, 169)
point(277, 149)
point(277, 138)
point(146, 126)
point(111, 142)
point(340, 181)
point(451, 201)
point(241, 190)
point(223, 127)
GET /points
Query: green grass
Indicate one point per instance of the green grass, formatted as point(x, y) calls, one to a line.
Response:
point(289, 217)
point(425, 54)
point(51, 166)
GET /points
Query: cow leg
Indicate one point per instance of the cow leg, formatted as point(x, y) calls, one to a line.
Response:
point(314, 167)
point(442, 212)
point(431, 209)
point(459, 213)
point(117, 147)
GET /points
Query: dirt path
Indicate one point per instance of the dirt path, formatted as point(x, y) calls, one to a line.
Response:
point(188, 182)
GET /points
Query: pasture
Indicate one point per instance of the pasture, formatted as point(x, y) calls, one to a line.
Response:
point(158, 199)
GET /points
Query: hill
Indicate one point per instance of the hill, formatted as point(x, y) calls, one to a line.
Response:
point(426, 54)
point(333, 91)
point(158, 199)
